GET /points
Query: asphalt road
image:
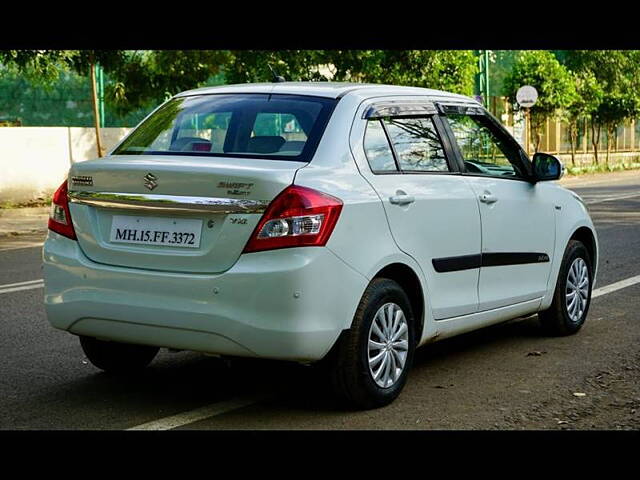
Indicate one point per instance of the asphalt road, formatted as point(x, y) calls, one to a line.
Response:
point(503, 377)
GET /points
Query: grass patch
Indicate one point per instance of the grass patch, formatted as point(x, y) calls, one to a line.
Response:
point(36, 202)
point(602, 168)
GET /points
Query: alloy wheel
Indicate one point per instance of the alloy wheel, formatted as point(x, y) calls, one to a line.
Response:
point(388, 345)
point(577, 291)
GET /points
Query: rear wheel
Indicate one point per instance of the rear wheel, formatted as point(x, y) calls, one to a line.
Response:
point(117, 357)
point(572, 296)
point(369, 364)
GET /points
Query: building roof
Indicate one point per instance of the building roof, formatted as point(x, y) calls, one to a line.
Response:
point(325, 89)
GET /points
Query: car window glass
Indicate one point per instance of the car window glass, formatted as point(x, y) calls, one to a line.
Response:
point(484, 152)
point(417, 144)
point(211, 129)
point(285, 127)
point(377, 149)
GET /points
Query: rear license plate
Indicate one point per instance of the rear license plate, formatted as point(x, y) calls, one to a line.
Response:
point(172, 232)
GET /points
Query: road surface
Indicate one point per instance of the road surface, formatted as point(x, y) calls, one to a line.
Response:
point(503, 377)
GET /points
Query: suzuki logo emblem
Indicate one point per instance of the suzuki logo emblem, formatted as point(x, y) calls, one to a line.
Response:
point(150, 181)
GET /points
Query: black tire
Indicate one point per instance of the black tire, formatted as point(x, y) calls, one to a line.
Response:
point(115, 357)
point(555, 320)
point(351, 379)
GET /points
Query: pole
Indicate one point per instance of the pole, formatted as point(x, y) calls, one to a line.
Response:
point(100, 81)
point(96, 115)
point(481, 84)
point(485, 92)
point(479, 76)
point(527, 130)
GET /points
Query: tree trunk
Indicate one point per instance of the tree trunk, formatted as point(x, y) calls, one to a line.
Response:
point(610, 134)
point(537, 136)
point(573, 139)
point(595, 139)
point(96, 115)
point(534, 133)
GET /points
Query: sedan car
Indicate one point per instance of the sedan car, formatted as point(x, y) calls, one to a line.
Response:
point(340, 223)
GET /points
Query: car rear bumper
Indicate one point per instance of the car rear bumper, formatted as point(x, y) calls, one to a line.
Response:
point(288, 304)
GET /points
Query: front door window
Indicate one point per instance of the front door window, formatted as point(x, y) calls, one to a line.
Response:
point(484, 151)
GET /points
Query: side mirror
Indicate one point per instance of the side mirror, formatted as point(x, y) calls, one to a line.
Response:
point(546, 167)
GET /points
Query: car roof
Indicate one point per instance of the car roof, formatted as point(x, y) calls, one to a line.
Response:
point(328, 90)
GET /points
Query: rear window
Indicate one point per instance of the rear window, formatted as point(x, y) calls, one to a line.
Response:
point(278, 127)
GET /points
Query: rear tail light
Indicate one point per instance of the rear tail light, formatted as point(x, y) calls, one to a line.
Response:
point(60, 217)
point(297, 217)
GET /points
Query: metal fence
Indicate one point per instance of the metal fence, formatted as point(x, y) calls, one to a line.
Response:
point(555, 137)
point(66, 103)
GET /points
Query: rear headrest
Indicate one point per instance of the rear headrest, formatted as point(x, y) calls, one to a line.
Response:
point(293, 146)
point(191, 144)
point(265, 144)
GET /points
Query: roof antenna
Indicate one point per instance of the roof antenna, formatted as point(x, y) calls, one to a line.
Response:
point(276, 78)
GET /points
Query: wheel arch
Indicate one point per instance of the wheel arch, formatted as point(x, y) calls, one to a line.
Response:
point(410, 282)
point(587, 237)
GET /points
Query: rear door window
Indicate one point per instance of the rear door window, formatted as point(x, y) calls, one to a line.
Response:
point(377, 148)
point(410, 144)
point(417, 144)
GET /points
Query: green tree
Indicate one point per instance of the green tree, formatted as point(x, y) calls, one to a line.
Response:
point(142, 78)
point(618, 74)
point(39, 67)
point(616, 107)
point(50, 63)
point(554, 83)
point(501, 65)
point(451, 70)
point(588, 99)
point(148, 77)
point(247, 66)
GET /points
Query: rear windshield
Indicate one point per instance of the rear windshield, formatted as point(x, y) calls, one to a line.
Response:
point(278, 127)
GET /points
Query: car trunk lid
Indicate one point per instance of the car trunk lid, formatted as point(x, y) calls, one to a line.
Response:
point(172, 213)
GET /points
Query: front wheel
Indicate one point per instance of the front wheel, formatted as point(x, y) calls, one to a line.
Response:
point(568, 310)
point(369, 365)
point(117, 357)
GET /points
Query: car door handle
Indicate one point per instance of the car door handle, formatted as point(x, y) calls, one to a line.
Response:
point(401, 199)
point(488, 198)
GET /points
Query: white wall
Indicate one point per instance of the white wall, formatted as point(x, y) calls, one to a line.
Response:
point(34, 160)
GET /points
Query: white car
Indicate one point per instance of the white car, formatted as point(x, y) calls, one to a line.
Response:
point(349, 223)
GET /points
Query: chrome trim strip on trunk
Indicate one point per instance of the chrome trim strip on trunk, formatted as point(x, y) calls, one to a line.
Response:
point(167, 203)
